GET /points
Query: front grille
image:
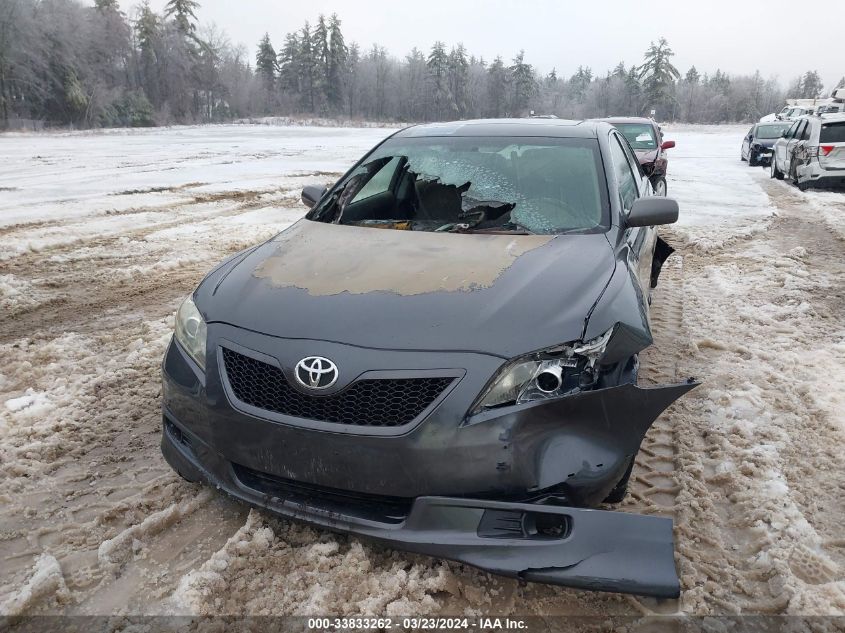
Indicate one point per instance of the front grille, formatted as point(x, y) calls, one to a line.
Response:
point(370, 402)
point(362, 505)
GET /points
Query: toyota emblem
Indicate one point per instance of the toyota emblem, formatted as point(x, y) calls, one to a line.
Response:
point(316, 372)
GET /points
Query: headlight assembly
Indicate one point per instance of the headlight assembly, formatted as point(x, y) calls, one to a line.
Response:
point(191, 331)
point(549, 373)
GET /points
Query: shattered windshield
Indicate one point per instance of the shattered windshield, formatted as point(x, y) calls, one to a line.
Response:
point(639, 135)
point(462, 184)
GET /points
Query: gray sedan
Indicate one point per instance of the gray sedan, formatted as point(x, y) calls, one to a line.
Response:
point(442, 356)
point(757, 143)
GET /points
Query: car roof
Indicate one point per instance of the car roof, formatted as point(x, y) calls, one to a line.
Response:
point(626, 119)
point(560, 128)
point(832, 116)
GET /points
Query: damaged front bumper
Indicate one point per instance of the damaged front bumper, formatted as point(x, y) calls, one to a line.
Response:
point(574, 547)
point(504, 490)
point(762, 155)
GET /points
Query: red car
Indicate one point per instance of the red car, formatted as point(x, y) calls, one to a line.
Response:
point(646, 140)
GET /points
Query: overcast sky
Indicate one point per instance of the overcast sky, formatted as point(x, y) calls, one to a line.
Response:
point(738, 36)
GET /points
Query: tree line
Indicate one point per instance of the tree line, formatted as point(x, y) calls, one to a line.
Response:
point(66, 63)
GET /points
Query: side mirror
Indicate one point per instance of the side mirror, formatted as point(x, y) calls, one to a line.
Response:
point(652, 210)
point(783, 134)
point(311, 194)
point(667, 145)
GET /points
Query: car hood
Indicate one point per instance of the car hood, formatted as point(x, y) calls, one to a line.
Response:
point(412, 290)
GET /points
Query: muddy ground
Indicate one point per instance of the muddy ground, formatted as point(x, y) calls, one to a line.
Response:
point(92, 521)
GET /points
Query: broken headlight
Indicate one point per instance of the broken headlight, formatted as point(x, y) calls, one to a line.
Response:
point(191, 331)
point(549, 373)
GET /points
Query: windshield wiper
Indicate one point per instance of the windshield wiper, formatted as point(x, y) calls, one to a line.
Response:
point(508, 227)
point(464, 227)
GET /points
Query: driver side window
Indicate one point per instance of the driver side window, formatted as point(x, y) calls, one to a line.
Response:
point(380, 181)
point(625, 178)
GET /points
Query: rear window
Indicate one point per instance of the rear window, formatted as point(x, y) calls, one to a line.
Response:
point(832, 132)
point(773, 130)
point(639, 135)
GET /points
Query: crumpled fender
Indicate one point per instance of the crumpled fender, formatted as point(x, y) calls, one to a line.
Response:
point(584, 442)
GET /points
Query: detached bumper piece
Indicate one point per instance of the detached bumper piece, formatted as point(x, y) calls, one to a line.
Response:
point(585, 549)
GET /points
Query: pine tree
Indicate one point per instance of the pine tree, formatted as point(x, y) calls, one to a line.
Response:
point(691, 79)
point(338, 57)
point(183, 13)
point(352, 77)
point(754, 98)
point(497, 88)
point(458, 75)
point(619, 71)
point(580, 82)
point(523, 84)
point(104, 6)
point(692, 76)
point(414, 94)
point(658, 74)
point(633, 90)
point(288, 63)
point(265, 64)
point(811, 85)
point(307, 68)
point(147, 32)
point(720, 83)
point(320, 47)
point(437, 64)
point(378, 60)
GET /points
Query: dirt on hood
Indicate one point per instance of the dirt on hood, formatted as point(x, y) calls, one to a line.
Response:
point(327, 259)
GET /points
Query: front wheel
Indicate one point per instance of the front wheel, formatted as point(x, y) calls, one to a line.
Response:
point(775, 172)
point(659, 186)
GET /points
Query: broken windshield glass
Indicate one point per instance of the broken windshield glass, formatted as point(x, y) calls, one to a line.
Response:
point(537, 185)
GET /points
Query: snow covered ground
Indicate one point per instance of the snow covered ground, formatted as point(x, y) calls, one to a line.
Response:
point(101, 234)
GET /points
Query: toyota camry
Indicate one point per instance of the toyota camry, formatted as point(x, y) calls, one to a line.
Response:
point(442, 355)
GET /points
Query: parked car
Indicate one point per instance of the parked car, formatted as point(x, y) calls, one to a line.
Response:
point(758, 142)
point(646, 139)
point(811, 153)
point(442, 355)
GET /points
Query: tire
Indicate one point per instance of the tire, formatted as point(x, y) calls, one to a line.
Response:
point(802, 186)
point(741, 157)
point(659, 186)
point(775, 172)
point(186, 478)
point(752, 160)
point(621, 489)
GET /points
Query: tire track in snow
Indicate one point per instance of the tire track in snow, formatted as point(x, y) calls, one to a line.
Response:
point(748, 538)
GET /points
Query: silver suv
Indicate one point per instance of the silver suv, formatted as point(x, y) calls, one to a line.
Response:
point(811, 152)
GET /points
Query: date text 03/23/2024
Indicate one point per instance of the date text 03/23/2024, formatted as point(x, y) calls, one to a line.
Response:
point(415, 623)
